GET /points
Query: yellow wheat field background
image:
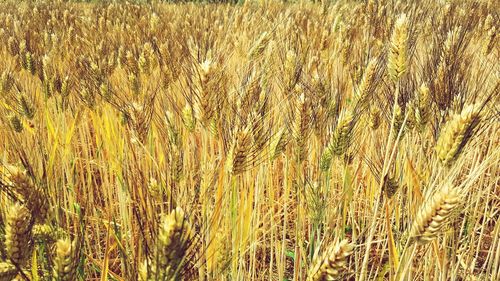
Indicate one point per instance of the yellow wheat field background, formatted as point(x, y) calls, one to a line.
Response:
point(258, 140)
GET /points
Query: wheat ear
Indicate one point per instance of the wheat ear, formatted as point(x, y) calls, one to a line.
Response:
point(173, 241)
point(330, 265)
point(18, 237)
point(302, 124)
point(397, 58)
point(66, 261)
point(366, 86)
point(339, 141)
point(239, 151)
point(430, 219)
point(433, 215)
point(33, 196)
point(456, 133)
point(7, 271)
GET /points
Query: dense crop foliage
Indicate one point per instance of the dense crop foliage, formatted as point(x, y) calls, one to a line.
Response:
point(354, 140)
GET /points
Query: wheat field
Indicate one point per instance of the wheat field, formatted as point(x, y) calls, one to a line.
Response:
point(259, 140)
